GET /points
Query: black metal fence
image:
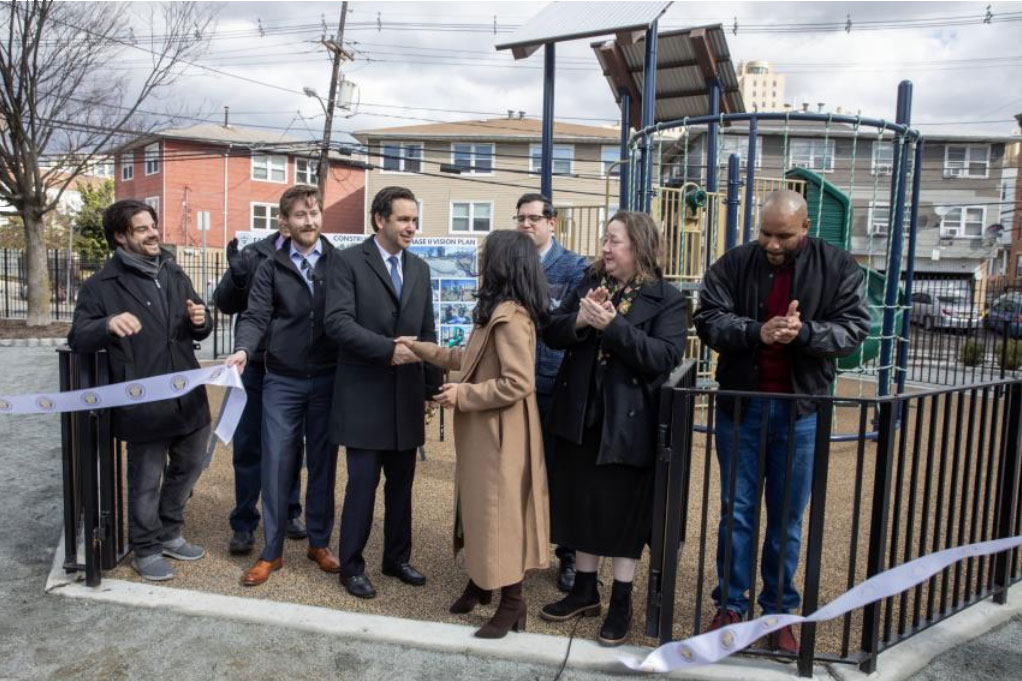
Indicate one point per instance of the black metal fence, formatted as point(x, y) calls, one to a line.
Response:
point(943, 471)
point(94, 474)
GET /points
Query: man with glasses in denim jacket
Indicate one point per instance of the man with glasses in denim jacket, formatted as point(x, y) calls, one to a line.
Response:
point(564, 270)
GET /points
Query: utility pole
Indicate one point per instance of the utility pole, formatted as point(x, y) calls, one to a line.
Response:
point(337, 49)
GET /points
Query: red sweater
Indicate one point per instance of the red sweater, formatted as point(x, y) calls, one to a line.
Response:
point(774, 370)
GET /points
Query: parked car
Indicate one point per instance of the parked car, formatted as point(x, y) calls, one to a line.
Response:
point(1005, 315)
point(950, 310)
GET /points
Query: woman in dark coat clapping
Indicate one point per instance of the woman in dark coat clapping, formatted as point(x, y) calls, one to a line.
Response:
point(624, 330)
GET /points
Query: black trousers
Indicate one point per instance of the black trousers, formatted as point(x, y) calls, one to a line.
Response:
point(364, 466)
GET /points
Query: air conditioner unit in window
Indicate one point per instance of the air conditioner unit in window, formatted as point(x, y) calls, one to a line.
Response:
point(954, 172)
point(878, 230)
point(800, 164)
point(950, 232)
point(883, 169)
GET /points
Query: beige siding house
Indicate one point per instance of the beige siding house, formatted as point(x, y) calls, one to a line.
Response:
point(468, 175)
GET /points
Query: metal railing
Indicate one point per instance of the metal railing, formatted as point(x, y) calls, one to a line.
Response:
point(942, 471)
point(94, 474)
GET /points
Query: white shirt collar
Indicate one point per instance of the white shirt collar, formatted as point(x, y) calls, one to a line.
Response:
point(386, 256)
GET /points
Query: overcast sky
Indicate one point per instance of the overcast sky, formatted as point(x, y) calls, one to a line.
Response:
point(967, 74)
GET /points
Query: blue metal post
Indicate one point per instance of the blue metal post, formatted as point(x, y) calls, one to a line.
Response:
point(750, 179)
point(893, 271)
point(546, 179)
point(734, 184)
point(645, 187)
point(711, 165)
point(910, 269)
point(626, 117)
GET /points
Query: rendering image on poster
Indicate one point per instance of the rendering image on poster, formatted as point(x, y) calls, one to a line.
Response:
point(456, 313)
point(457, 290)
point(453, 336)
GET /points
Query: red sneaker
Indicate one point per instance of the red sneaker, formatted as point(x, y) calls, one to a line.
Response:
point(724, 617)
point(783, 640)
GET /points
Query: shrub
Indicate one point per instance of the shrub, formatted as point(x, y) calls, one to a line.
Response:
point(973, 352)
point(1010, 358)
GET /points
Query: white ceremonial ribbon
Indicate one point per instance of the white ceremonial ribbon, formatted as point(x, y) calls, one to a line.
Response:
point(714, 646)
point(152, 389)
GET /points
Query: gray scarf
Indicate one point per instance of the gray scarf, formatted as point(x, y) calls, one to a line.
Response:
point(148, 267)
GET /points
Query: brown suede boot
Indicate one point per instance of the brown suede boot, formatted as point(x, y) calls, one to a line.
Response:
point(510, 614)
point(470, 598)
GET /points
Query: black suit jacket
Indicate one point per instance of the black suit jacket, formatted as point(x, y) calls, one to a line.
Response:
point(163, 346)
point(376, 405)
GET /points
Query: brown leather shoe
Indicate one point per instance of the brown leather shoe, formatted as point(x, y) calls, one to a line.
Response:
point(327, 561)
point(260, 572)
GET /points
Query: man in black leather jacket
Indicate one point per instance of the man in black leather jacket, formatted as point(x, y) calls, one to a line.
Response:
point(778, 312)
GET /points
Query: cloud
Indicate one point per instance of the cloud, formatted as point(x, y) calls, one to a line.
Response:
point(407, 63)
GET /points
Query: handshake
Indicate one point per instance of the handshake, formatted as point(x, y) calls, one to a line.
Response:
point(784, 329)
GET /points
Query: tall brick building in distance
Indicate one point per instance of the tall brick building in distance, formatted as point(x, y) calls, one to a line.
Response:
point(224, 179)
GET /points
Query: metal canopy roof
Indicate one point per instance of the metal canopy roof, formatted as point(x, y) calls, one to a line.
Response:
point(561, 21)
point(686, 60)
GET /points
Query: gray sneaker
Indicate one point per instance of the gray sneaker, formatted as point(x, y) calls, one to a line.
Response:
point(154, 568)
point(182, 550)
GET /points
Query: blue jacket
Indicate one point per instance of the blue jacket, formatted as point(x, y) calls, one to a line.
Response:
point(564, 271)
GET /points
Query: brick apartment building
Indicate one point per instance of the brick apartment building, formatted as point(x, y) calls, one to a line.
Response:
point(228, 179)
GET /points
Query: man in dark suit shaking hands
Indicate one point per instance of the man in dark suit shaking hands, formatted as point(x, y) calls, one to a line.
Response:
point(376, 292)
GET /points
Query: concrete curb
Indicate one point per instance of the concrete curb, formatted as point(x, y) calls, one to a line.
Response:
point(440, 637)
point(31, 342)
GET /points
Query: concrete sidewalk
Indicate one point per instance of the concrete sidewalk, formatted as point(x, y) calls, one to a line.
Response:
point(46, 636)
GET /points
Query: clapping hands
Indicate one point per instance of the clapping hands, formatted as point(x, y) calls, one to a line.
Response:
point(595, 310)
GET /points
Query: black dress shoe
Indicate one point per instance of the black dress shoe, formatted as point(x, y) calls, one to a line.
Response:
point(359, 586)
point(296, 529)
point(406, 573)
point(241, 543)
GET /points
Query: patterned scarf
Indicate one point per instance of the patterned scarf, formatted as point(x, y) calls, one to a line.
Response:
point(628, 292)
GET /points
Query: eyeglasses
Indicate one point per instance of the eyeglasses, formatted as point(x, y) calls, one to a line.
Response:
point(531, 219)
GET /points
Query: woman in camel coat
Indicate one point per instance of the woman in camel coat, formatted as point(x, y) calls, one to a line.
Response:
point(501, 516)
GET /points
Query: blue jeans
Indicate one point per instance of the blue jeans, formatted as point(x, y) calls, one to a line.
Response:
point(746, 459)
point(291, 405)
point(248, 454)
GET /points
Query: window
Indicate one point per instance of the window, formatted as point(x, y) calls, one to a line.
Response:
point(269, 168)
point(563, 156)
point(966, 160)
point(402, 158)
point(609, 155)
point(103, 168)
point(882, 162)
point(264, 215)
point(471, 218)
point(879, 218)
point(474, 159)
point(152, 158)
point(810, 153)
point(127, 166)
point(739, 144)
point(153, 201)
point(963, 222)
point(1018, 265)
point(306, 171)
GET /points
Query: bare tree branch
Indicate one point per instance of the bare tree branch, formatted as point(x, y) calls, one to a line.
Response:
point(63, 103)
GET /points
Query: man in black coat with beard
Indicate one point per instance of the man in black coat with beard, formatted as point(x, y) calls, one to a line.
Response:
point(142, 309)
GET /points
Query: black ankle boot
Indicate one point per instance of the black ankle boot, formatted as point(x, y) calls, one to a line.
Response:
point(619, 615)
point(584, 600)
point(511, 614)
point(470, 598)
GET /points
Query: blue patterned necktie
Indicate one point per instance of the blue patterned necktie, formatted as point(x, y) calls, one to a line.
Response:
point(306, 268)
point(395, 276)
